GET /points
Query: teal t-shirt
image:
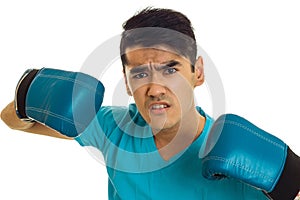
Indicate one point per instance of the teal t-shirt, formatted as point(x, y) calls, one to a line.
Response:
point(137, 171)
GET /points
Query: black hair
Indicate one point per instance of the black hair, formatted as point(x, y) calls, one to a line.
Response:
point(157, 26)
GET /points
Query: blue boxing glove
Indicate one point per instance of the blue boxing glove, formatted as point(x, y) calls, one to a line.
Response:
point(62, 100)
point(238, 149)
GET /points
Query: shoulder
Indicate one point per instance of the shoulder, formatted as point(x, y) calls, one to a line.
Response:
point(112, 122)
point(119, 115)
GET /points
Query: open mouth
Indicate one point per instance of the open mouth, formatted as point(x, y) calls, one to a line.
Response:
point(159, 108)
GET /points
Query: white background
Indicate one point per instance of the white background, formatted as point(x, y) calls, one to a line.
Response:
point(254, 45)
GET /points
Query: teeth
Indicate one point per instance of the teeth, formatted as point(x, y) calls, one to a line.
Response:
point(159, 106)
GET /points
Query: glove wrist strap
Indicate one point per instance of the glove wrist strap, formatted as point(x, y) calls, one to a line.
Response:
point(21, 92)
point(289, 183)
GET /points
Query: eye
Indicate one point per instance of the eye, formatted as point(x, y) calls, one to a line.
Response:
point(170, 71)
point(140, 75)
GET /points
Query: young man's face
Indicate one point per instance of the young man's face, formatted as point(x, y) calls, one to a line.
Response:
point(161, 83)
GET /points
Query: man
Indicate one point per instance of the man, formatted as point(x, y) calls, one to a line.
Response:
point(151, 148)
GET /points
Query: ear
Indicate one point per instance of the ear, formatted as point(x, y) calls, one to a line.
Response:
point(199, 71)
point(126, 84)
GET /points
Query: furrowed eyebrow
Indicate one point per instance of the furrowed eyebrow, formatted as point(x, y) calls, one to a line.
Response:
point(143, 68)
point(169, 64)
point(138, 69)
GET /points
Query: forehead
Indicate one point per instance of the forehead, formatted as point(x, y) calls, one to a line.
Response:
point(137, 56)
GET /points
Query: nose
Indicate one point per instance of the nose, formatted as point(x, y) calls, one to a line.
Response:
point(156, 90)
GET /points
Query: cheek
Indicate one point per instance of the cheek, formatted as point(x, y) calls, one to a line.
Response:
point(140, 100)
point(139, 96)
point(183, 91)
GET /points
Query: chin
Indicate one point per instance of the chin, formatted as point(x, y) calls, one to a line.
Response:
point(159, 126)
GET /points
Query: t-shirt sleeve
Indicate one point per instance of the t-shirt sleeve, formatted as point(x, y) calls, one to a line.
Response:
point(104, 128)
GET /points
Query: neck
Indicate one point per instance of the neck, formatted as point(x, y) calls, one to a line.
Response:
point(171, 141)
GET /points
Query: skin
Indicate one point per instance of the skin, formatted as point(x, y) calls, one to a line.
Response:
point(162, 85)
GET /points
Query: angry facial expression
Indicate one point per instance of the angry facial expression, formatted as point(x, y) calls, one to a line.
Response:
point(161, 83)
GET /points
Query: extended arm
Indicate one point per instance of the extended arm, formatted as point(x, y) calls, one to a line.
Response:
point(10, 118)
point(54, 102)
